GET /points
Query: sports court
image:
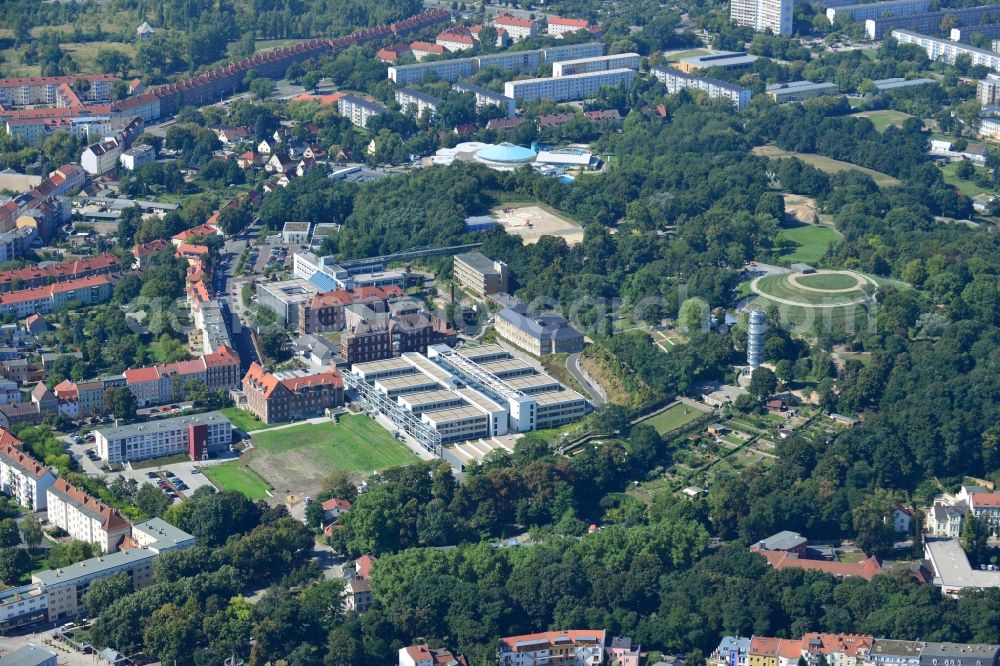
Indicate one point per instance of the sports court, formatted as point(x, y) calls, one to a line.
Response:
point(533, 222)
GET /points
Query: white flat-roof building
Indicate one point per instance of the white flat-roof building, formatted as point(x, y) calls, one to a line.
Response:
point(596, 64)
point(296, 233)
point(136, 156)
point(285, 297)
point(485, 97)
point(761, 15)
point(444, 70)
point(930, 22)
point(946, 51)
point(359, 111)
point(952, 571)
point(572, 52)
point(676, 80)
point(415, 103)
point(797, 91)
point(513, 62)
point(567, 88)
point(198, 435)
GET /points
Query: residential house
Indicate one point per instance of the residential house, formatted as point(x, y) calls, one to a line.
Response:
point(359, 595)
point(888, 652)
point(836, 649)
point(22, 477)
point(579, 647)
point(622, 652)
point(732, 651)
point(421, 50)
point(518, 28)
point(333, 508)
point(423, 655)
point(145, 251)
point(780, 559)
point(902, 519)
point(84, 517)
point(394, 52)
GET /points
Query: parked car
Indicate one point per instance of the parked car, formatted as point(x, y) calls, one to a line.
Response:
point(150, 475)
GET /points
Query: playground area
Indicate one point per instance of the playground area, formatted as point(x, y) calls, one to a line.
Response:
point(531, 222)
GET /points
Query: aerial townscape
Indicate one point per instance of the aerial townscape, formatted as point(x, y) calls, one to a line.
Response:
point(500, 333)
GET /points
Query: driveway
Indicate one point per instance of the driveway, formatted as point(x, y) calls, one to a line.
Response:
point(597, 396)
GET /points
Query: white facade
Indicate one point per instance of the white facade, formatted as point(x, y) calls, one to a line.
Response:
point(25, 479)
point(357, 110)
point(596, 64)
point(518, 28)
point(416, 101)
point(946, 51)
point(163, 438)
point(444, 70)
point(85, 518)
point(296, 232)
point(757, 325)
point(874, 10)
point(761, 15)
point(567, 88)
point(676, 80)
point(133, 158)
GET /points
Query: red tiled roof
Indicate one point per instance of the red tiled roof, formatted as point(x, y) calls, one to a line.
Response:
point(363, 565)
point(150, 248)
point(48, 291)
point(780, 559)
point(572, 22)
point(7, 439)
point(333, 504)
point(221, 356)
point(142, 375)
point(185, 249)
point(984, 500)
point(54, 80)
point(325, 100)
point(790, 648)
point(552, 636)
point(330, 377)
point(262, 380)
point(68, 269)
point(507, 19)
point(200, 230)
point(425, 47)
point(764, 646)
point(853, 645)
point(22, 460)
point(112, 520)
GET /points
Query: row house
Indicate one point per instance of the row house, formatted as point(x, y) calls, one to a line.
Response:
point(85, 518)
point(84, 291)
point(848, 649)
point(275, 398)
point(38, 276)
point(579, 647)
point(156, 385)
point(22, 477)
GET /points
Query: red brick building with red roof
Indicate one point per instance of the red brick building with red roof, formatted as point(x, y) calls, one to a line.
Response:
point(274, 399)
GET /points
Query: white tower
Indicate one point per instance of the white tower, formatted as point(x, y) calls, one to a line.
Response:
point(755, 339)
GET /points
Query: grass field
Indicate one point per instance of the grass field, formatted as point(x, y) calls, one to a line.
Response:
point(237, 475)
point(841, 314)
point(827, 164)
point(828, 281)
point(674, 418)
point(966, 187)
point(245, 421)
point(811, 241)
point(779, 287)
point(884, 119)
point(296, 460)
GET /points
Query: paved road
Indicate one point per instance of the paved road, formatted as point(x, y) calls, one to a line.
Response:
point(597, 396)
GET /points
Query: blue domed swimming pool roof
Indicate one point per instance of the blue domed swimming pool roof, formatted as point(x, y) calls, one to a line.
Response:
point(505, 153)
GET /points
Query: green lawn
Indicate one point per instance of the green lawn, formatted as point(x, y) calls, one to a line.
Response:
point(356, 444)
point(674, 418)
point(237, 475)
point(245, 421)
point(967, 187)
point(827, 164)
point(828, 281)
point(884, 119)
point(810, 242)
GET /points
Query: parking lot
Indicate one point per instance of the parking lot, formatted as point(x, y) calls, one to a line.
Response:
point(185, 479)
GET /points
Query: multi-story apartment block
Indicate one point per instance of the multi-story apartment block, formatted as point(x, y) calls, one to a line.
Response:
point(966, 33)
point(22, 477)
point(895, 653)
point(555, 54)
point(573, 647)
point(274, 398)
point(988, 90)
point(761, 15)
point(64, 588)
point(518, 28)
point(39, 276)
point(567, 88)
point(159, 384)
point(596, 64)
point(946, 51)
point(85, 518)
point(52, 90)
point(480, 275)
point(102, 157)
point(486, 97)
point(23, 605)
point(986, 507)
point(358, 111)
point(559, 27)
point(874, 10)
point(537, 333)
point(416, 103)
point(443, 70)
point(198, 435)
point(676, 80)
point(42, 300)
point(513, 62)
point(930, 22)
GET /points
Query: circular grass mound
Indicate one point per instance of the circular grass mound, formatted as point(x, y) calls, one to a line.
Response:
point(828, 281)
point(833, 301)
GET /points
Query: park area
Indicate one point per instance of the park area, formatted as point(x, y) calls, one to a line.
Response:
point(296, 460)
point(834, 301)
point(827, 164)
point(532, 221)
point(675, 417)
point(883, 119)
point(807, 243)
